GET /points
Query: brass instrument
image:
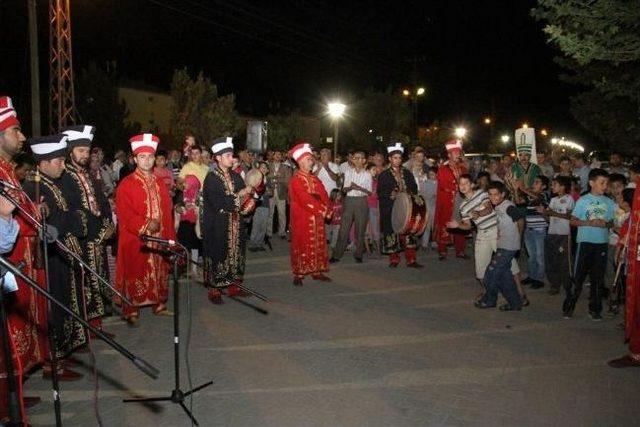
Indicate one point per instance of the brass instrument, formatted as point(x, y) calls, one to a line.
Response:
point(517, 196)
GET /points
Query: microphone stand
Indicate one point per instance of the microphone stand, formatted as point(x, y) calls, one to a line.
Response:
point(53, 345)
point(141, 364)
point(177, 395)
point(15, 416)
point(61, 245)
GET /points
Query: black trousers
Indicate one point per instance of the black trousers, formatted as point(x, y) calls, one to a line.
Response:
point(591, 259)
point(557, 260)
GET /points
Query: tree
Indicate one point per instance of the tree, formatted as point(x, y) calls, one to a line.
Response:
point(285, 129)
point(98, 105)
point(379, 118)
point(600, 41)
point(199, 110)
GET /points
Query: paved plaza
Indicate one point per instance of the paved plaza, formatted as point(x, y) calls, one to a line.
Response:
point(376, 347)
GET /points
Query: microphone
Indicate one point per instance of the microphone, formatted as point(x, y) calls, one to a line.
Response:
point(6, 184)
point(160, 240)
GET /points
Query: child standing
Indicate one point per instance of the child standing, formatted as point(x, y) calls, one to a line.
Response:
point(535, 231)
point(620, 254)
point(557, 253)
point(373, 225)
point(498, 277)
point(261, 215)
point(336, 207)
point(429, 193)
point(593, 215)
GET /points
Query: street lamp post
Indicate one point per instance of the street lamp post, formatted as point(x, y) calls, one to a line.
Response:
point(419, 91)
point(335, 111)
point(489, 122)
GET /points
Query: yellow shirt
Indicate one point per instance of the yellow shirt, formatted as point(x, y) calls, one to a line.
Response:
point(199, 170)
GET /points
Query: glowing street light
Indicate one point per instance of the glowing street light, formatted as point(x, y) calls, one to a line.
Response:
point(525, 125)
point(420, 91)
point(543, 132)
point(460, 132)
point(562, 142)
point(505, 138)
point(406, 92)
point(487, 120)
point(336, 110)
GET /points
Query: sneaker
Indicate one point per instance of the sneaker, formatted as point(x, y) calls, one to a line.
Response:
point(508, 307)
point(536, 284)
point(527, 281)
point(568, 314)
point(525, 301)
point(596, 317)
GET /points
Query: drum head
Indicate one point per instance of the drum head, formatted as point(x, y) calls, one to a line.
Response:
point(401, 212)
point(253, 178)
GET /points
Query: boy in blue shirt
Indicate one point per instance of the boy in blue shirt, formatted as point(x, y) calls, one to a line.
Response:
point(593, 215)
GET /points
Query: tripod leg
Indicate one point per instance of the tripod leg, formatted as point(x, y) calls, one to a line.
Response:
point(189, 413)
point(200, 387)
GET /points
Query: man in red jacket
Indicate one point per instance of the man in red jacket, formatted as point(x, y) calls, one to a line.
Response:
point(632, 297)
point(309, 207)
point(143, 206)
point(447, 192)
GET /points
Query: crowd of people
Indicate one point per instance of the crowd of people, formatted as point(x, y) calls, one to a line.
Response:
point(566, 219)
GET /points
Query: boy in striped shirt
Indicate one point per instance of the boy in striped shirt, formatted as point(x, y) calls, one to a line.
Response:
point(476, 210)
point(535, 231)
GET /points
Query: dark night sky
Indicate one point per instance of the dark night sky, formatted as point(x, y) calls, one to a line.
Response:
point(479, 57)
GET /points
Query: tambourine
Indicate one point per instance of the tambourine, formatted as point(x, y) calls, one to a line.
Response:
point(255, 179)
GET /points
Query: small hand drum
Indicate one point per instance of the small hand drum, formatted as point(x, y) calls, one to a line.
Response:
point(409, 214)
point(255, 179)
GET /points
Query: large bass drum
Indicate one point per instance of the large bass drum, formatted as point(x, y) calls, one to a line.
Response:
point(409, 214)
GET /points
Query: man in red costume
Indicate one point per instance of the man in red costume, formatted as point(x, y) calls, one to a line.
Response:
point(448, 175)
point(26, 311)
point(309, 207)
point(143, 206)
point(632, 297)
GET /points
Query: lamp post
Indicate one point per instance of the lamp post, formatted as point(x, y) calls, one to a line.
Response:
point(489, 122)
point(336, 111)
point(417, 92)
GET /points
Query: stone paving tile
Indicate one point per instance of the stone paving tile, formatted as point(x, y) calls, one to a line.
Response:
point(376, 347)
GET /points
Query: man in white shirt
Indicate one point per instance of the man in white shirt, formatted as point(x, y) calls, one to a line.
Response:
point(327, 171)
point(357, 186)
point(344, 166)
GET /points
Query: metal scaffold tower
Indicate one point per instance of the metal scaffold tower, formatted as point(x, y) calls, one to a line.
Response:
point(61, 97)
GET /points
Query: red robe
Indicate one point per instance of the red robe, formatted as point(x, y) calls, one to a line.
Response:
point(142, 270)
point(26, 310)
point(632, 297)
point(309, 206)
point(446, 195)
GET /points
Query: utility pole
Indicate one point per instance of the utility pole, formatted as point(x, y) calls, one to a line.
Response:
point(36, 121)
